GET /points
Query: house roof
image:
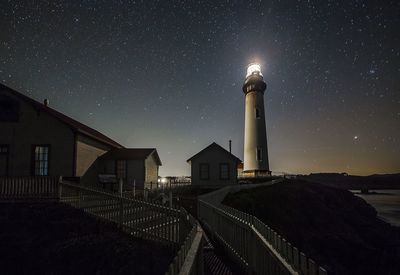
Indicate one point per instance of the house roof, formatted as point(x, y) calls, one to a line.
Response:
point(72, 123)
point(216, 147)
point(132, 153)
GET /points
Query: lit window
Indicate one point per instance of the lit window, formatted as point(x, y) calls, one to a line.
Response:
point(224, 171)
point(41, 154)
point(253, 69)
point(121, 169)
point(204, 171)
point(259, 154)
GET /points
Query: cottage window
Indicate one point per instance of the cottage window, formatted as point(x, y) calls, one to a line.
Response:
point(204, 171)
point(224, 171)
point(121, 169)
point(259, 154)
point(41, 156)
point(3, 149)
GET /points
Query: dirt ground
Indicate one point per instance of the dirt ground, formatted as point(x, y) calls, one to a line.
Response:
point(52, 238)
point(337, 229)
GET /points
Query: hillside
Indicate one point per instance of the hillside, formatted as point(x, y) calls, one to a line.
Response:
point(334, 227)
point(51, 238)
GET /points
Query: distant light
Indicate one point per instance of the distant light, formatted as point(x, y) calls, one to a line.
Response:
point(355, 137)
point(253, 69)
point(164, 180)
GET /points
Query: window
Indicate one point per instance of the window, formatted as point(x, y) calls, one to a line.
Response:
point(41, 155)
point(257, 113)
point(121, 169)
point(3, 160)
point(204, 171)
point(3, 149)
point(259, 154)
point(224, 171)
point(9, 109)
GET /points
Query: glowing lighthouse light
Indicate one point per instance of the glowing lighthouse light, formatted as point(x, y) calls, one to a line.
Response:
point(253, 69)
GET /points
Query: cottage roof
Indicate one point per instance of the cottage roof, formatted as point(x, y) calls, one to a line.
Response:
point(132, 153)
point(214, 146)
point(72, 123)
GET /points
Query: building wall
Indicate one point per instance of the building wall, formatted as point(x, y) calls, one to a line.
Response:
point(151, 169)
point(35, 127)
point(213, 158)
point(135, 171)
point(87, 151)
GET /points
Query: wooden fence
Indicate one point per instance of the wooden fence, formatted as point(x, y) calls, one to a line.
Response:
point(256, 247)
point(23, 188)
point(169, 225)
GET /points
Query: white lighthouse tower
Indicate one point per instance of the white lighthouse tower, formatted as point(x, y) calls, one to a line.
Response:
point(255, 133)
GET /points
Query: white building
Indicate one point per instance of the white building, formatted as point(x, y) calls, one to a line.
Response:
point(255, 134)
point(214, 166)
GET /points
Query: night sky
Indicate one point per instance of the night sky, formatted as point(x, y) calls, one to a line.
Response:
point(168, 74)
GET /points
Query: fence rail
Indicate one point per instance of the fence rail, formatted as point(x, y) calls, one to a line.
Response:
point(256, 247)
point(173, 226)
point(170, 225)
point(22, 188)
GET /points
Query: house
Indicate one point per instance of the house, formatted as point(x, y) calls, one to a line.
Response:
point(214, 166)
point(36, 140)
point(132, 165)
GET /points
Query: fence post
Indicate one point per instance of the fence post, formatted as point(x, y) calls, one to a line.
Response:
point(200, 256)
point(252, 261)
point(59, 187)
point(79, 198)
point(120, 185)
point(134, 188)
point(121, 212)
point(170, 199)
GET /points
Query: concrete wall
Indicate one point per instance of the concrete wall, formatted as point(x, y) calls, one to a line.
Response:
point(135, 171)
point(214, 158)
point(35, 127)
point(151, 169)
point(87, 153)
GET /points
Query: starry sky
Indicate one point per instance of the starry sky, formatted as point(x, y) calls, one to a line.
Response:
point(168, 74)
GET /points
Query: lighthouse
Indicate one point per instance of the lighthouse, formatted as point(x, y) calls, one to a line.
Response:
point(255, 133)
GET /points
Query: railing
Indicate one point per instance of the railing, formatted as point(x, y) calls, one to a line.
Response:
point(139, 218)
point(23, 188)
point(252, 244)
point(170, 225)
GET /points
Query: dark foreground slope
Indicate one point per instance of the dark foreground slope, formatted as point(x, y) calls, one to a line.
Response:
point(51, 238)
point(334, 227)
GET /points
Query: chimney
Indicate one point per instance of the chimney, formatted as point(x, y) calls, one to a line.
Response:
point(46, 102)
point(230, 146)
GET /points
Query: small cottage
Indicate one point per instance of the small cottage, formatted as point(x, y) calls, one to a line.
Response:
point(137, 166)
point(37, 140)
point(214, 166)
